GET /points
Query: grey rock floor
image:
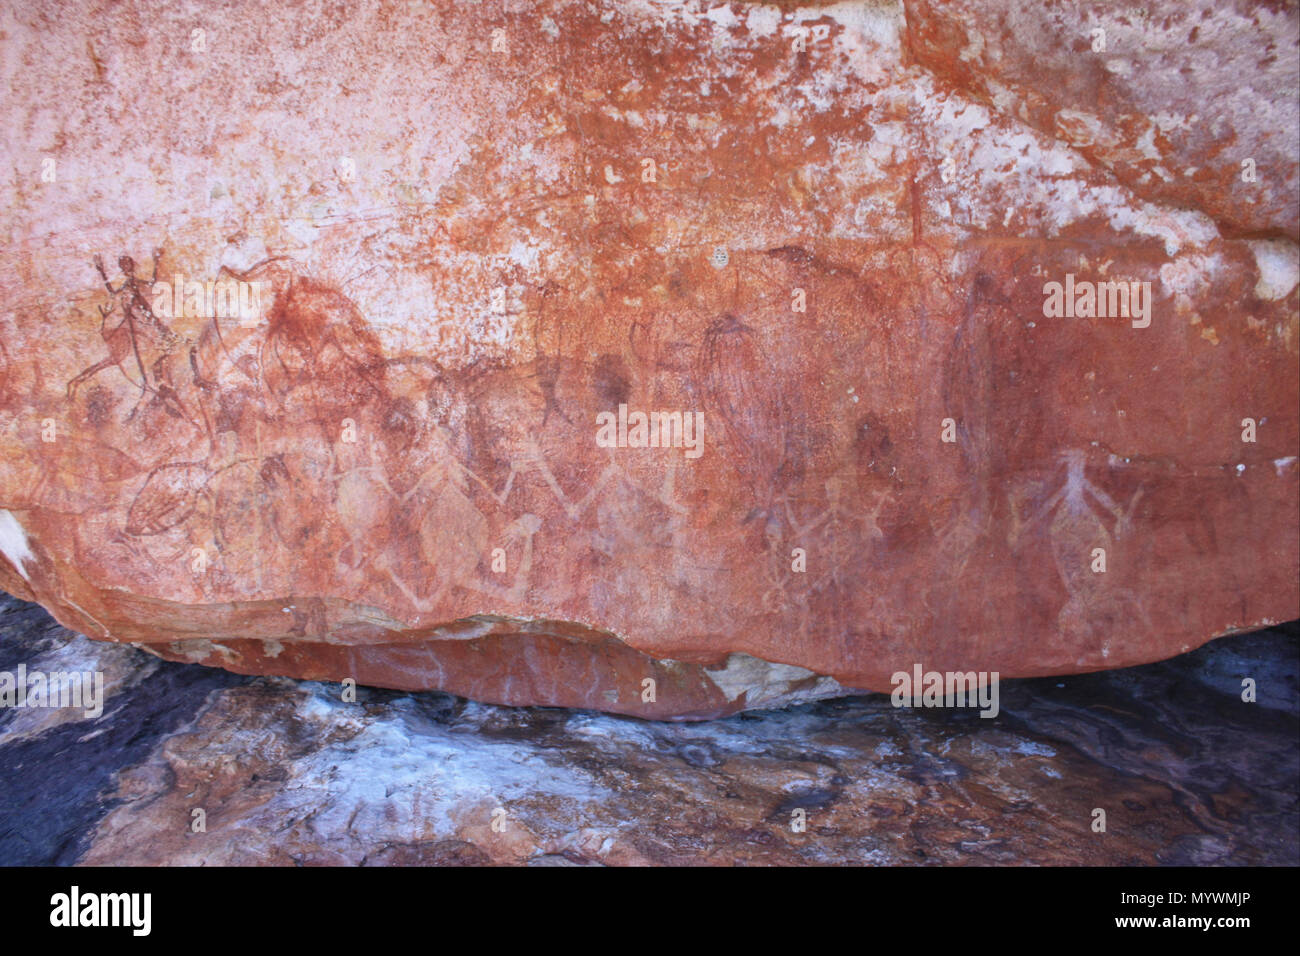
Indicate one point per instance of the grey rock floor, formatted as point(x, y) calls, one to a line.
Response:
point(285, 772)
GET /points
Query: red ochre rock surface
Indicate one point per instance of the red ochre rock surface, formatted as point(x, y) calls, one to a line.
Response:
point(826, 232)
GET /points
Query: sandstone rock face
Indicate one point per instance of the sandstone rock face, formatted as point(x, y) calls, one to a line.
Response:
point(873, 253)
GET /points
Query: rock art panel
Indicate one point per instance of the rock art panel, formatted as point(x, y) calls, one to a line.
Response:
point(658, 357)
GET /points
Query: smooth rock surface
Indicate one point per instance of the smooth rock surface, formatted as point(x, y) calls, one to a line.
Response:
point(392, 473)
point(286, 773)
